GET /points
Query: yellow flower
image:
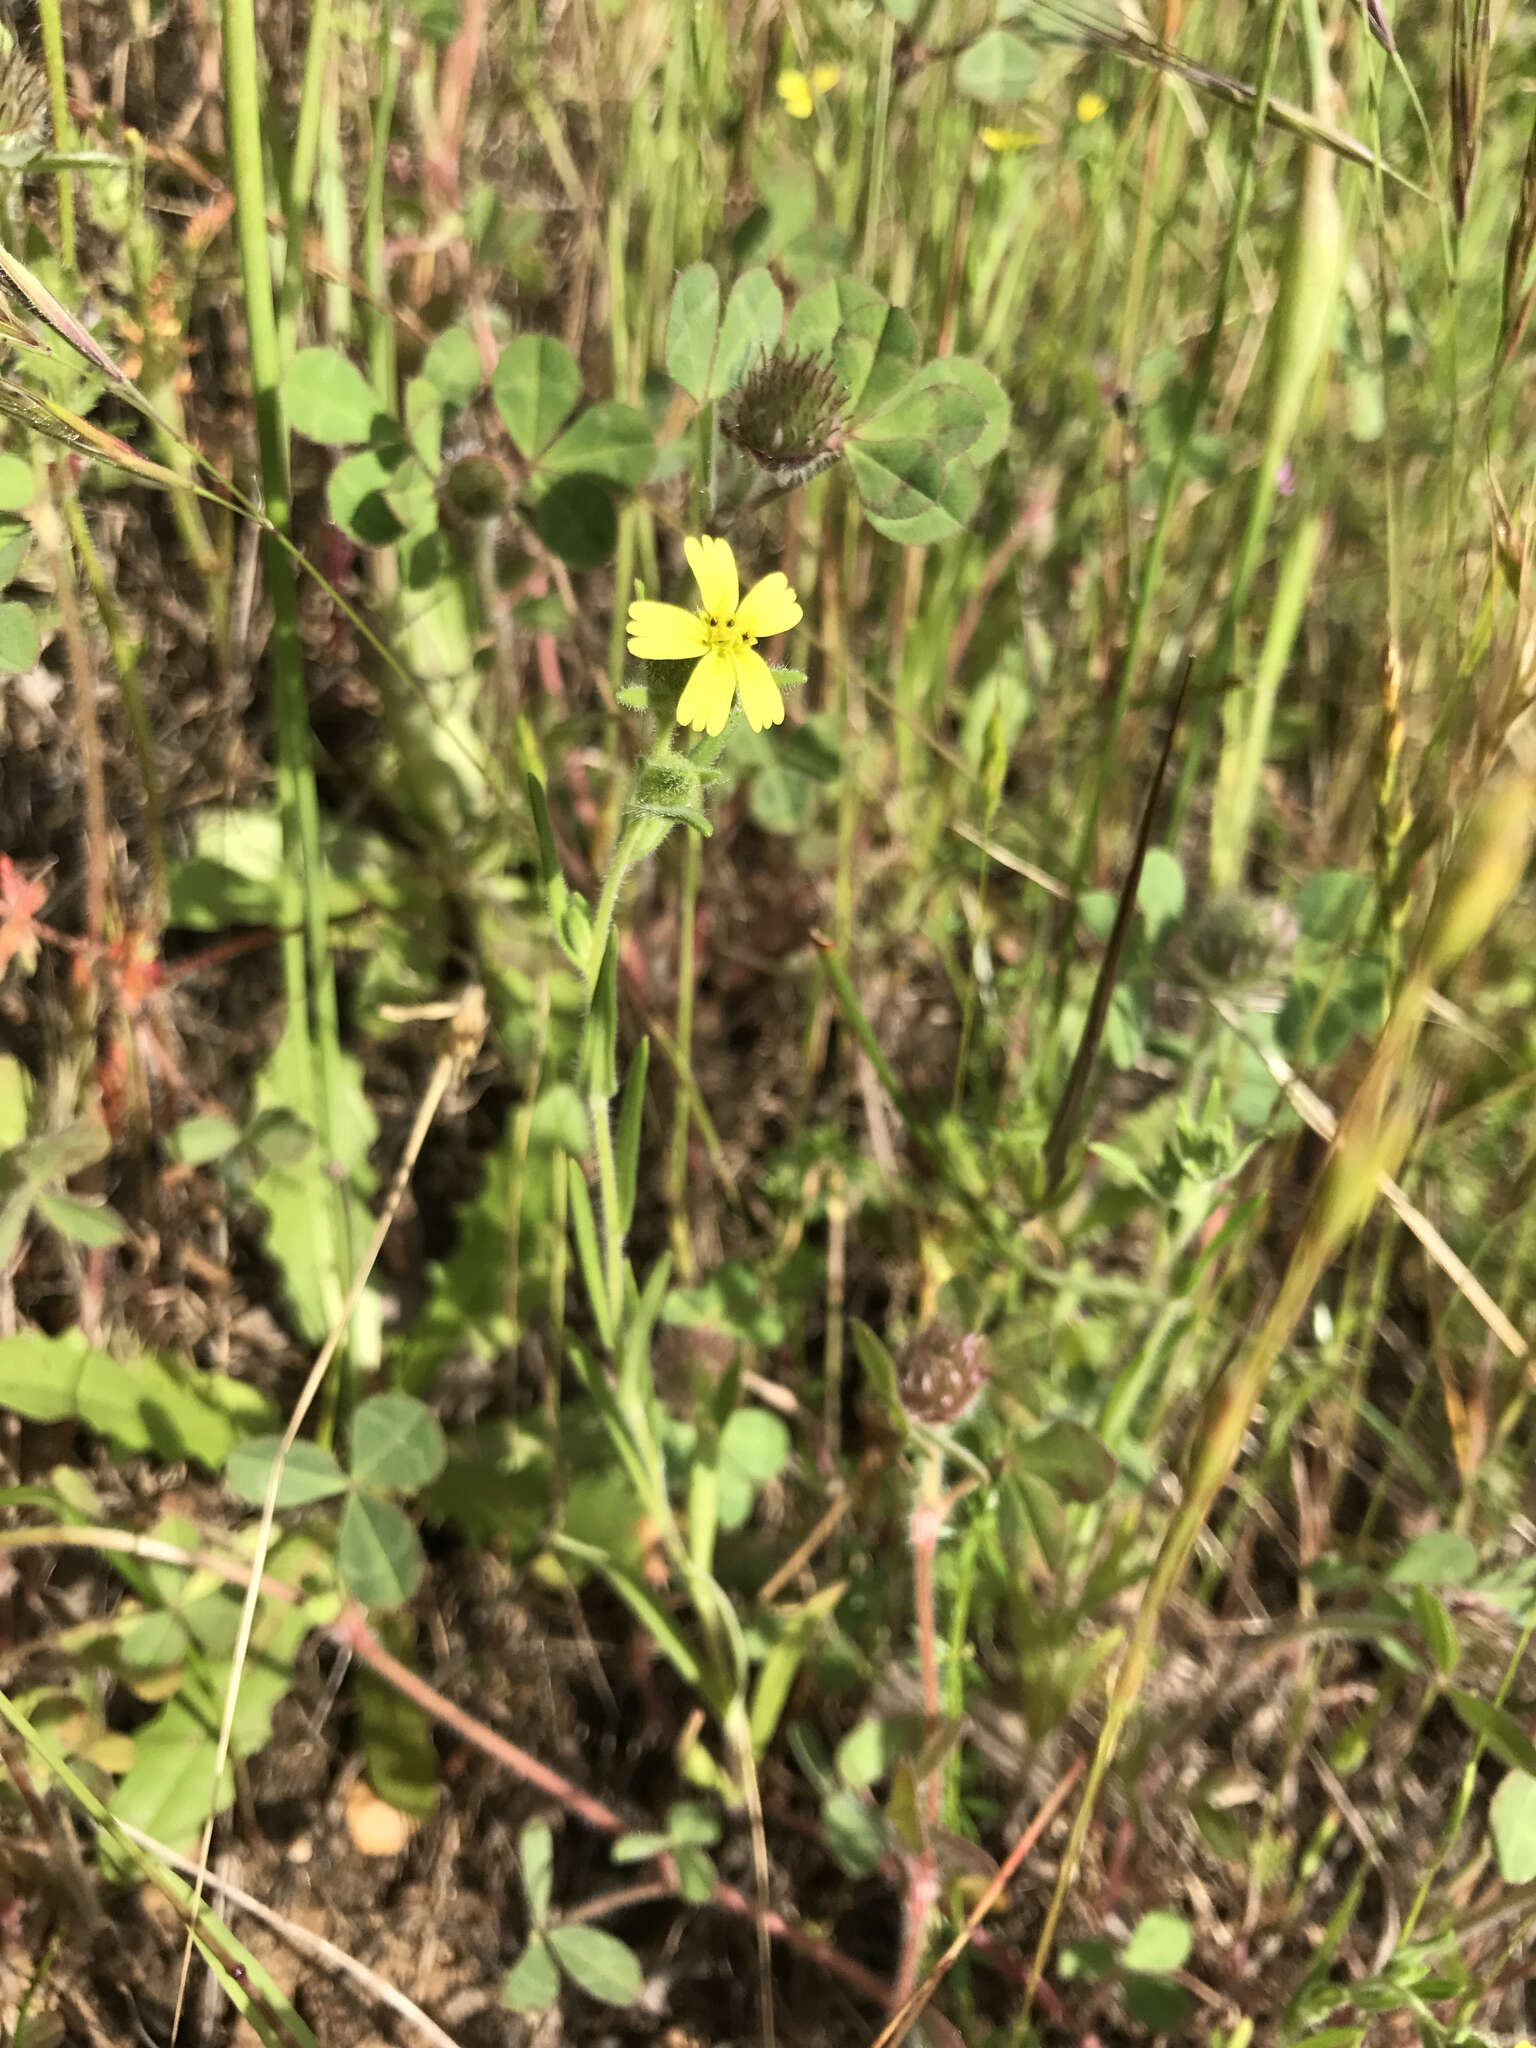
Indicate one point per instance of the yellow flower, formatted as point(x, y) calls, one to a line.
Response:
point(1090, 106)
point(720, 640)
point(1004, 140)
point(800, 93)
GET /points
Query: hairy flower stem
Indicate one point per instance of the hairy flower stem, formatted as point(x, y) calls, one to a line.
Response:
point(929, 1509)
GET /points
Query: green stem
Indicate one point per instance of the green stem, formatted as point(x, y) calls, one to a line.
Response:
point(1178, 456)
point(677, 1164)
point(125, 661)
point(58, 108)
point(607, 903)
point(305, 947)
point(301, 169)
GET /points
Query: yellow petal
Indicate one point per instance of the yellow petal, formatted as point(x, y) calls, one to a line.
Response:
point(665, 632)
point(714, 571)
point(705, 704)
point(1005, 140)
point(760, 698)
point(795, 92)
point(1089, 106)
point(769, 607)
point(824, 77)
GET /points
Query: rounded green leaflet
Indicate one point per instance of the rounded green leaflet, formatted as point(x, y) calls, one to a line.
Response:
point(599, 1962)
point(754, 319)
point(997, 66)
point(397, 1445)
point(852, 1832)
point(576, 520)
point(18, 486)
point(18, 637)
point(1437, 1557)
point(1160, 1943)
point(693, 319)
point(535, 385)
point(309, 1473)
point(355, 497)
point(533, 1982)
point(452, 364)
point(377, 1552)
point(328, 399)
point(609, 440)
point(757, 1443)
point(1512, 1822)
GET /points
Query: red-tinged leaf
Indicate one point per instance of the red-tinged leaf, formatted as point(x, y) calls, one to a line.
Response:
point(20, 901)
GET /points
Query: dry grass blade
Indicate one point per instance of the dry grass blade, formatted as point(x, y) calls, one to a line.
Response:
point(57, 423)
point(59, 318)
point(1469, 78)
point(1319, 1117)
point(462, 1036)
point(308, 1944)
point(1138, 46)
point(1519, 292)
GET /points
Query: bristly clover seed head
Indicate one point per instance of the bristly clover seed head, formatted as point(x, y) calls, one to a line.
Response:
point(940, 1374)
point(23, 101)
point(788, 415)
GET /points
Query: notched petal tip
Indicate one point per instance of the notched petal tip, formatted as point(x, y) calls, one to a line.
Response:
point(665, 632)
point(769, 607)
point(714, 570)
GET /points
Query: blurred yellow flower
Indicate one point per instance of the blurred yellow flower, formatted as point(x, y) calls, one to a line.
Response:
point(720, 640)
point(1090, 106)
point(800, 93)
point(1004, 140)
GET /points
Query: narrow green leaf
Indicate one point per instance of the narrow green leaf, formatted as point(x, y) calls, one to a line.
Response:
point(588, 1257)
point(536, 1860)
point(597, 1057)
point(1498, 1729)
point(1437, 1629)
point(642, 1605)
point(626, 1149)
point(795, 1630)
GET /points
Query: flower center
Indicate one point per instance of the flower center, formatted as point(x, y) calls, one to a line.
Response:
point(724, 633)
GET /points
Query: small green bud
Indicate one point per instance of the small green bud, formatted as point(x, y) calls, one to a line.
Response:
point(479, 487)
point(666, 785)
